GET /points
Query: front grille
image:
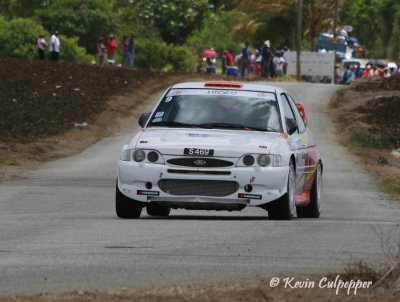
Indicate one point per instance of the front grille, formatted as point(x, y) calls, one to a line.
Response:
point(217, 188)
point(202, 172)
point(200, 162)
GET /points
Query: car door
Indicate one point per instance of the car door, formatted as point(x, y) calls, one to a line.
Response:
point(298, 138)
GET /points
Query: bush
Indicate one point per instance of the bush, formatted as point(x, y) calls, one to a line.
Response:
point(182, 58)
point(71, 52)
point(151, 54)
point(18, 37)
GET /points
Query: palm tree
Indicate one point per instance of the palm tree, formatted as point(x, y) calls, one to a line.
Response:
point(277, 18)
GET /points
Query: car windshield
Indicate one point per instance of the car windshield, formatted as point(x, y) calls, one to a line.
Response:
point(223, 109)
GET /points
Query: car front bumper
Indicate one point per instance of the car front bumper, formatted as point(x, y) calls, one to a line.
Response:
point(201, 188)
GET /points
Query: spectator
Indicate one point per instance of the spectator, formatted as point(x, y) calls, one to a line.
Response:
point(386, 73)
point(347, 76)
point(125, 50)
point(41, 46)
point(279, 63)
point(131, 51)
point(101, 49)
point(266, 59)
point(245, 59)
point(223, 63)
point(210, 65)
point(111, 47)
point(54, 47)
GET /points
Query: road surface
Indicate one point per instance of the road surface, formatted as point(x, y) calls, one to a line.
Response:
point(59, 231)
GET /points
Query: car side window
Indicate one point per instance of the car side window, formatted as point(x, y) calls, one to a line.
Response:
point(290, 118)
point(300, 122)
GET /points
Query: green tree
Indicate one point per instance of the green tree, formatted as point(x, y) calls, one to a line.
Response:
point(18, 37)
point(365, 16)
point(215, 33)
point(84, 19)
point(394, 45)
point(276, 20)
point(175, 20)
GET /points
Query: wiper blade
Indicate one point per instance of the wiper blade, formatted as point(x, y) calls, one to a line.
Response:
point(225, 125)
point(238, 126)
point(178, 124)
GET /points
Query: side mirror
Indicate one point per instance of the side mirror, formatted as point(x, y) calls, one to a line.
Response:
point(302, 112)
point(143, 118)
point(291, 125)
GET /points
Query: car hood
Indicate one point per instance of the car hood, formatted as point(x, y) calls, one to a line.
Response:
point(224, 142)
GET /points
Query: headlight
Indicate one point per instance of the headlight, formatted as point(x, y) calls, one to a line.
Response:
point(144, 156)
point(152, 156)
point(248, 160)
point(263, 160)
point(259, 160)
point(139, 155)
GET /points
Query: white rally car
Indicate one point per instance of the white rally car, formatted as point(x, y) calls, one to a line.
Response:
point(221, 145)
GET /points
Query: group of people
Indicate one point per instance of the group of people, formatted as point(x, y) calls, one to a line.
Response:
point(104, 48)
point(110, 48)
point(54, 47)
point(265, 61)
point(353, 72)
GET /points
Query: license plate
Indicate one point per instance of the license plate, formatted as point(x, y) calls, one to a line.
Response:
point(198, 152)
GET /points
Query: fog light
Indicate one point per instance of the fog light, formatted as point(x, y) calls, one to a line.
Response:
point(248, 188)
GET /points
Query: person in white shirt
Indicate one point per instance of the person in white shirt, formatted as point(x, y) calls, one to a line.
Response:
point(54, 47)
point(41, 46)
point(279, 63)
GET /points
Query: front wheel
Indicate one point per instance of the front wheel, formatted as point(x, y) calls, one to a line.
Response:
point(313, 209)
point(284, 208)
point(126, 207)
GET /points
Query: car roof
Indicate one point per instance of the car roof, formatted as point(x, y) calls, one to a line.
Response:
point(229, 85)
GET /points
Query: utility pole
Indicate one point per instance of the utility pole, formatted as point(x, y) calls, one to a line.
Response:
point(298, 38)
point(335, 17)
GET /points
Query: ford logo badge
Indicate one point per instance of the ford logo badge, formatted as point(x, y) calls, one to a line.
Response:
point(200, 162)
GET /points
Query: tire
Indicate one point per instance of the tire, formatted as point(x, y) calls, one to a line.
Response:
point(313, 209)
point(126, 207)
point(284, 208)
point(157, 210)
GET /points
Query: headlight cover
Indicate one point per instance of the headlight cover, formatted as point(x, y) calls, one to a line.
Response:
point(259, 160)
point(147, 156)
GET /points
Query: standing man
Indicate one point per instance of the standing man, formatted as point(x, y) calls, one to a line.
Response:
point(266, 59)
point(125, 54)
point(101, 49)
point(111, 47)
point(131, 51)
point(54, 47)
point(41, 46)
point(245, 59)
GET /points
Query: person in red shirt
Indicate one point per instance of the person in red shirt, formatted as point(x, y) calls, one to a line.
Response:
point(229, 58)
point(111, 47)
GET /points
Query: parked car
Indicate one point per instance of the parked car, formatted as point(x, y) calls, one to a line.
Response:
point(221, 145)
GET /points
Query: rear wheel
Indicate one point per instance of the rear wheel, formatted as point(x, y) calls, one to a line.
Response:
point(313, 209)
point(126, 207)
point(157, 210)
point(285, 208)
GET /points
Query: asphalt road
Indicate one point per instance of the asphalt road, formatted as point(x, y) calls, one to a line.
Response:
point(59, 231)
